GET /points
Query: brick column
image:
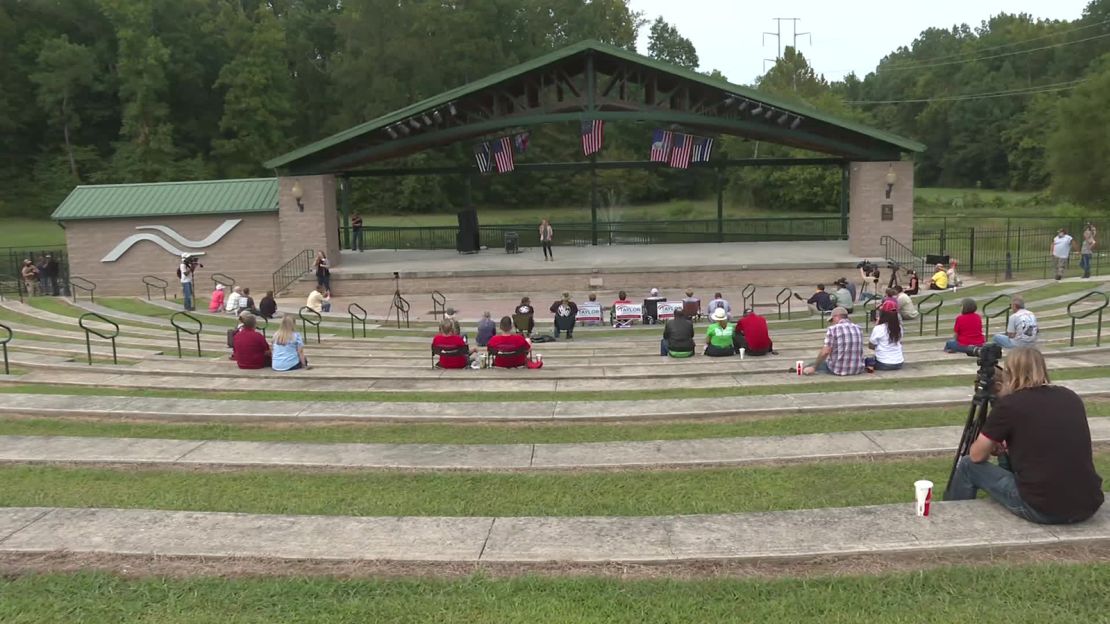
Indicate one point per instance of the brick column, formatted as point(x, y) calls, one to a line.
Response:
point(316, 226)
point(868, 200)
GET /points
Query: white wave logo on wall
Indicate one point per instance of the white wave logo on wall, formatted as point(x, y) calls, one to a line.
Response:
point(188, 244)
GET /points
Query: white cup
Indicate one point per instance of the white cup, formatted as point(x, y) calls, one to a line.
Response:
point(539, 357)
point(742, 353)
point(923, 496)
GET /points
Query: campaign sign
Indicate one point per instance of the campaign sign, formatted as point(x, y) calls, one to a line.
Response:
point(667, 309)
point(589, 312)
point(625, 311)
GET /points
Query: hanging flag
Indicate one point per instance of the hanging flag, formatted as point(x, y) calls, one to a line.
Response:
point(592, 135)
point(520, 142)
point(503, 154)
point(703, 147)
point(661, 145)
point(481, 155)
point(680, 154)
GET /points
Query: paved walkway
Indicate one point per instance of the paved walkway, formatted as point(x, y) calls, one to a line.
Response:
point(710, 451)
point(207, 410)
point(881, 529)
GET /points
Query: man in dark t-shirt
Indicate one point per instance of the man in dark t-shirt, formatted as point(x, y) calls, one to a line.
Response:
point(819, 302)
point(1043, 432)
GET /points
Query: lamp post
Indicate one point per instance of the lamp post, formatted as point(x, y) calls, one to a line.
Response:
point(298, 194)
point(891, 178)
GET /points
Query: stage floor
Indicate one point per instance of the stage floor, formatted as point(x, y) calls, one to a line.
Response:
point(381, 263)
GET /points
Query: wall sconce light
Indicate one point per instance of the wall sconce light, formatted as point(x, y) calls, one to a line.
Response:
point(891, 178)
point(298, 194)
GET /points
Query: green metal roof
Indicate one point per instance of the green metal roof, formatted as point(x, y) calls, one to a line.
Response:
point(112, 201)
point(604, 50)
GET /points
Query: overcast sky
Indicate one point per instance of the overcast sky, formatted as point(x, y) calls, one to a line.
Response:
point(848, 35)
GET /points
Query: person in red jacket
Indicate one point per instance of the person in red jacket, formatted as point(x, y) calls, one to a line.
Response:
point(249, 347)
point(754, 329)
point(508, 340)
point(448, 339)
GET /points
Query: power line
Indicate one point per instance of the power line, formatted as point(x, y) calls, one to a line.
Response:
point(1048, 88)
point(992, 56)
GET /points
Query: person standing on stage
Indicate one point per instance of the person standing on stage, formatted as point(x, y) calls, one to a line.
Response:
point(545, 240)
point(356, 231)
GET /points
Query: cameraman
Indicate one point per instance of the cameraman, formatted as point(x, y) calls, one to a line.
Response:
point(185, 274)
point(1040, 433)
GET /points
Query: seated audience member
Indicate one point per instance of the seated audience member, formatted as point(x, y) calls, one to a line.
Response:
point(690, 298)
point(653, 294)
point(906, 309)
point(593, 299)
point(678, 337)
point(622, 297)
point(718, 336)
point(651, 306)
point(246, 302)
point(249, 347)
point(914, 285)
point(231, 304)
point(449, 339)
point(566, 315)
point(953, 277)
point(451, 314)
point(486, 329)
point(819, 301)
point(843, 282)
point(287, 351)
point(316, 300)
point(217, 303)
point(842, 353)
point(886, 340)
point(718, 303)
point(891, 295)
point(1046, 472)
point(1021, 329)
point(524, 316)
point(843, 296)
point(968, 330)
point(754, 329)
point(267, 308)
point(940, 279)
point(507, 341)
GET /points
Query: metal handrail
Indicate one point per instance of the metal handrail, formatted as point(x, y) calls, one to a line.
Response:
point(439, 304)
point(219, 278)
point(748, 294)
point(935, 311)
point(351, 309)
point(870, 306)
point(264, 324)
point(88, 286)
point(153, 281)
point(780, 299)
point(182, 328)
point(1099, 309)
point(306, 321)
point(4, 344)
point(401, 305)
point(93, 330)
point(292, 270)
point(988, 316)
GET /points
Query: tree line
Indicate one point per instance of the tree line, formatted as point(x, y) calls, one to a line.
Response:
point(111, 91)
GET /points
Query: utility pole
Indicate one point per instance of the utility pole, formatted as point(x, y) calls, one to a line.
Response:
point(778, 34)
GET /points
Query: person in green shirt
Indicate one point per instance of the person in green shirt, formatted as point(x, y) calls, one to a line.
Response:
point(718, 337)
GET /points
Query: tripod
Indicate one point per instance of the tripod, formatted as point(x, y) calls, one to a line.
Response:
point(981, 403)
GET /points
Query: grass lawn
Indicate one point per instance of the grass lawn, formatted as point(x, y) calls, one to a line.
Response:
point(1047, 592)
point(30, 233)
point(386, 493)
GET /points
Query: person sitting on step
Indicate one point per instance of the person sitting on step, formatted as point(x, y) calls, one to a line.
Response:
point(524, 316)
point(566, 313)
point(287, 351)
point(216, 305)
point(449, 340)
point(756, 335)
point(231, 303)
point(968, 329)
point(886, 340)
point(842, 353)
point(317, 301)
point(267, 308)
point(486, 329)
point(820, 301)
point(249, 347)
point(678, 337)
point(508, 341)
point(719, 335)
point(718, 303)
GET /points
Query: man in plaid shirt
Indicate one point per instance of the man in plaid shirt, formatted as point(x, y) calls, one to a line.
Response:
point(843, 350)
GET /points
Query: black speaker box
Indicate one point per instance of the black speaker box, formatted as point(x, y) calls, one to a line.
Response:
point(468, 240)
point(931, 259)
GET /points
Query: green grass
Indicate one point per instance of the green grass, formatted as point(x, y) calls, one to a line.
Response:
point(137, 306)
point(384, 493)
point(30, 233)
point(1046, 592)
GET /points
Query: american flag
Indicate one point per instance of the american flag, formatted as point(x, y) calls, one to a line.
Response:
point(520, 141)
point(703, 147)
point(661, 145)
point(503, 154)
point(680, 155)
point(592, 135)
point(481, 154)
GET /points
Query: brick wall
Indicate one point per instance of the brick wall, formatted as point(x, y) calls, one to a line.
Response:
point(249, 252)
point(317, 225)
point(867, 196)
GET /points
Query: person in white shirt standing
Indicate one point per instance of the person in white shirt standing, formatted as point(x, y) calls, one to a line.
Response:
point(185, 273)
point(1061, 249)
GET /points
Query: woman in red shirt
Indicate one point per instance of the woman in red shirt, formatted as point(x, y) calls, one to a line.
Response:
point(968, 330)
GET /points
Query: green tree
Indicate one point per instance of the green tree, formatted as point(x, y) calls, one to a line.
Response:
point(64, 71)
point(666, 44)
point(1079, 149)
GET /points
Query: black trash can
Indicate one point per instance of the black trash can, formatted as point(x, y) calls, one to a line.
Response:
point(512, 242)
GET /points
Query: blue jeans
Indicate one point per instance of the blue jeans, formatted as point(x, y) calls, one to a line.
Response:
point(356, 239)
point(187, 294)
point(877, 365)
point(956, 347)
point(1004, 341)
point(1000, 484)
point(1085, 264)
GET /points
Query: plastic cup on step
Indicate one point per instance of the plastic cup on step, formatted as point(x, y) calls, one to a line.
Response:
point(923, 496)
point(742, 350)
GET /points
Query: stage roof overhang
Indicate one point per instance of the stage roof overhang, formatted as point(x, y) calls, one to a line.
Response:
point(592, 80)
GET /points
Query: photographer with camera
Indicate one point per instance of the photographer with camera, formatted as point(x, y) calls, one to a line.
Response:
point(185, 271)
point(1039, 432)
point(869, 281)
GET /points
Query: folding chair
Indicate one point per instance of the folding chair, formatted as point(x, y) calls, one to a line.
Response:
point(692, 310)
point(493, 352)
point(521, 323)
point(438, 351)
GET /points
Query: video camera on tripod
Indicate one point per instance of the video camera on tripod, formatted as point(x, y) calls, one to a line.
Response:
point(988, 357)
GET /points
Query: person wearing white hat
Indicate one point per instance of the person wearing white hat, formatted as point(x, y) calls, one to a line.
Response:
point(217, 302)
point(719, 335)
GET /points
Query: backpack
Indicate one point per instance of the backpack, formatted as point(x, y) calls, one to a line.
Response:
point(543, 338)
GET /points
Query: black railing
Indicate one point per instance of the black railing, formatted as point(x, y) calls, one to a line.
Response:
point(400, 305)
point(261, 323)
point(79, 283)
point(293, 270)
point(747, 297)
point(92, 330)
point(219, 278)
point(152, 281)
point(358, 313)
point(784, 297)
point(869, 314)
point(988, 315)
point(439, 304)
point(7, 287)
point(4, 345)
point(904, 256)
point(11, 263)
point(188, 330)
point(314, 319)
point(923, 311)
point(1098, 309)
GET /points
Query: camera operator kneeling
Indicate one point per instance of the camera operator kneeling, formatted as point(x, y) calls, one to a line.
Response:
point(1046, 472)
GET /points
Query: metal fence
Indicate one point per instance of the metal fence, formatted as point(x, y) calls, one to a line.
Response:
point(11, 265)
